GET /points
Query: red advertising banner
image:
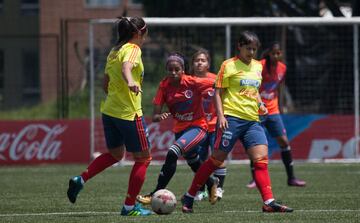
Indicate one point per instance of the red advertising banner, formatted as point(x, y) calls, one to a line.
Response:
point(35, 142)
point(68, 141)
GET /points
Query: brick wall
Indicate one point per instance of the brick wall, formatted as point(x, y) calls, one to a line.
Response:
point(77, 14)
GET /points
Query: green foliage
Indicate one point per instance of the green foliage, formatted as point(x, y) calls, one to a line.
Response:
point(38, 194)
point(79, 107)
point(42, 111)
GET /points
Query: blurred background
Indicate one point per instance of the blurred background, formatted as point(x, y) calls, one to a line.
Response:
point(44, 52)
point(45, 60)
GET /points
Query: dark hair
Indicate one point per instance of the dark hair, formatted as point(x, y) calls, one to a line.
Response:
point(127, 28)
point(266, 54)
point(183, 61)
point(197, 53)
point(248, 37)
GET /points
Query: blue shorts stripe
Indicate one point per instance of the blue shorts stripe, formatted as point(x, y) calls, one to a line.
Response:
point(195, 141)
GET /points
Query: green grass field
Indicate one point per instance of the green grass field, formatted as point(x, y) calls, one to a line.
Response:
point(38, 194)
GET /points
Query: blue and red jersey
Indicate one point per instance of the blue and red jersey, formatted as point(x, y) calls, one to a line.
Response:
point(208, 103)
point(271, 80)
point(184, 101)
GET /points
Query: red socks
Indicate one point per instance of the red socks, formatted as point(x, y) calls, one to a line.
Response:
point(262, 178)
point(202, 174)
point(136, 180)
point(97, 165)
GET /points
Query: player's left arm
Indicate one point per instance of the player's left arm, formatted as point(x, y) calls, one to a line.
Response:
point(158, 115)
point(106, 83)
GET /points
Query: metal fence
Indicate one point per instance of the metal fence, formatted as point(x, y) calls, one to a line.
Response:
point(322, 55)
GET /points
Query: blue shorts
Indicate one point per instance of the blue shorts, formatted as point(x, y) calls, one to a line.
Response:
point(250, 133)
point(189, 139)
point(134, 134)
point(204, 147)
point(274, 125)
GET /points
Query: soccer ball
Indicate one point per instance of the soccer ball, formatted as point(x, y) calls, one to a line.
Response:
point(163, 202)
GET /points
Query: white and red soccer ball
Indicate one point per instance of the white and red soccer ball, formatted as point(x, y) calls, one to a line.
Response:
point(163, 202)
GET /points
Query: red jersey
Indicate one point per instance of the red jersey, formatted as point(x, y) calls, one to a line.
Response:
point(208, 103)
point(184, 101)
point(271, 80)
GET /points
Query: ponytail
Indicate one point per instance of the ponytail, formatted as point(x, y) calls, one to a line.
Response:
point(127, 28)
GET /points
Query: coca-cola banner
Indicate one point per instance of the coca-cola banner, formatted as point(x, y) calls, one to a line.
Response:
point(311, 137)
point(68, 141)
point(35, 142)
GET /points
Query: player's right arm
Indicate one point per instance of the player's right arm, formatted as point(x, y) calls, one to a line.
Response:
point(221, 83)
point(222, 122)
point(158, 103)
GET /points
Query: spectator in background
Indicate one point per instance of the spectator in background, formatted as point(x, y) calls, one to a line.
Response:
point(273, 75)
point(122, 115)
point(238, 105)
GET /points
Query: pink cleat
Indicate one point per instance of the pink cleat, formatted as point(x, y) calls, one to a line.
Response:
point(251, 184)
point(296, 182)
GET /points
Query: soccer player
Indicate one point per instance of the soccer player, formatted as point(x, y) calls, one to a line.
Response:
point(183, 96)
point(122, 115)
point(238, 105)
point(200, 65)
point(273, 75)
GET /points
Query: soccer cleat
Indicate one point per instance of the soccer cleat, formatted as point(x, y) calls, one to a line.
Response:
point(201, 195)
point(187, 204)
point(144, 199)
point(212, 191)
point(136, 211)
point(219, 193)
point(276, 207)
point(296, 182)
point(75, 186)
point(251, 184)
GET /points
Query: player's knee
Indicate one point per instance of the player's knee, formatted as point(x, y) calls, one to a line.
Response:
point(283, 142)
point(285, 147)
point(216, 162)
point(173, 153)
point(261, 160)
point(190, 160)
point(146, 160)
point(117, 153)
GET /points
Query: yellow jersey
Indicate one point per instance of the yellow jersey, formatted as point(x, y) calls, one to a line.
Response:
point(120, 102)
point(240, 88)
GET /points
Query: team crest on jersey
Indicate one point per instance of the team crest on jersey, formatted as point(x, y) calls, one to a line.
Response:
point(211, 93)
point(225, 142)
point(188, 94)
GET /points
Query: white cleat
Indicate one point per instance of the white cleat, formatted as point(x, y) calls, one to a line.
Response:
point(219, 193)
point(201, 195)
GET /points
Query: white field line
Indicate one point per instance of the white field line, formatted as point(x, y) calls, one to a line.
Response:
point(117, 213)
point(245, 161)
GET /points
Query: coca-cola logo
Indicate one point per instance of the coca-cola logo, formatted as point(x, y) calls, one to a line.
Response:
point(184, 117)
point(34, 141)
point(159, 139)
